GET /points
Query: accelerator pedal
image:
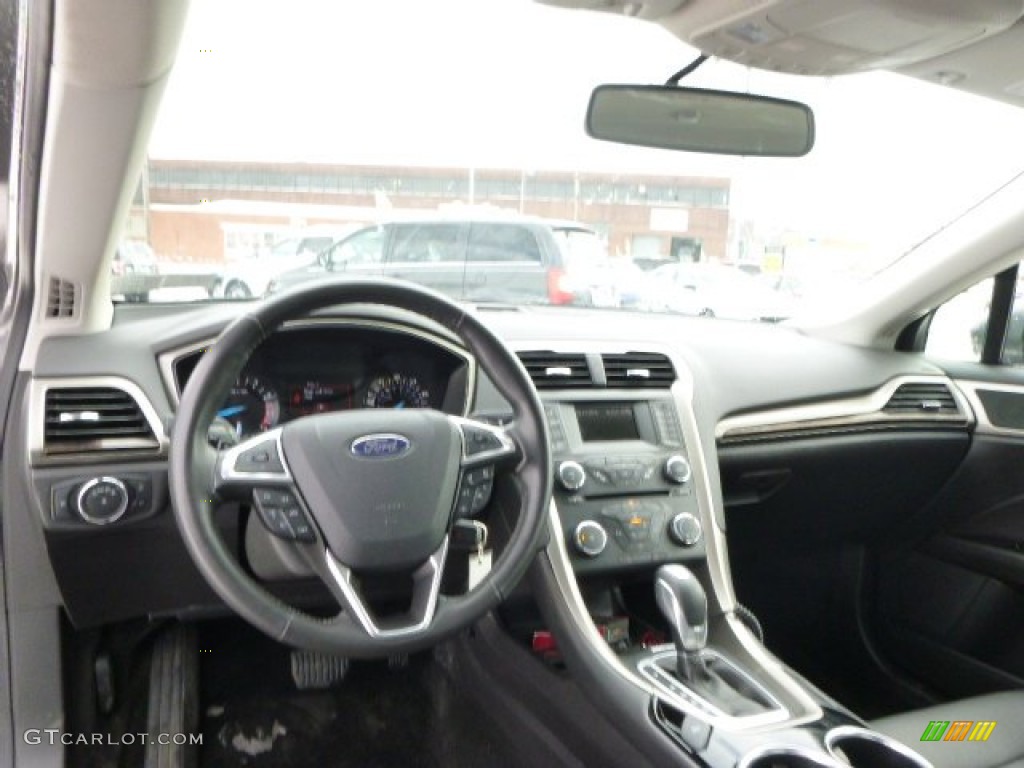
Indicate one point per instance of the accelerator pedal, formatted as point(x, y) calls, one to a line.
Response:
point(316, 671)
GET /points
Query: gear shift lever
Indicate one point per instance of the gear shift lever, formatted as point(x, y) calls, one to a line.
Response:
point(682, 600)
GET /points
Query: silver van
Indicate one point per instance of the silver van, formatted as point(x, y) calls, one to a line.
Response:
point(505, 260)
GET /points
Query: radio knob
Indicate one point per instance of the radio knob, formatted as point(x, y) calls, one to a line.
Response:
point(571, 475)
point(677, 469)
point(685, 529)
point(590, 538)
point(102, 500)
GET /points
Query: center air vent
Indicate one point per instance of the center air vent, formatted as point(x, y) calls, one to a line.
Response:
point(639, 369)
point(83, 419)
point(923, 398)
point(553, 370)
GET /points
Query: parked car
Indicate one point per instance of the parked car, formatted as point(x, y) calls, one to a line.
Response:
point(249, 277)
point(134, 257)
point(715, 290)
point(503, 259)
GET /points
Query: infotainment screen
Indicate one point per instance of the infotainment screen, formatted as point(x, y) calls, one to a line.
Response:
point(607, 421)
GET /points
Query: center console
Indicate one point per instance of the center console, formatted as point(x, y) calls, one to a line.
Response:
point(623, 482)
point(633, 501)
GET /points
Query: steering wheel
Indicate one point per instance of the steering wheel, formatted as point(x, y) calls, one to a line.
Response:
point(359, 492)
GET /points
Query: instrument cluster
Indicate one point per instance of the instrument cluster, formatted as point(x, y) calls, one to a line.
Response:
point(303, 371)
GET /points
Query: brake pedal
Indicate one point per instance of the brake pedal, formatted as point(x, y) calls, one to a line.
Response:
point(312, 670)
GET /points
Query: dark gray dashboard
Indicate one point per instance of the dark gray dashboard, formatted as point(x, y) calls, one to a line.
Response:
point(730, 369)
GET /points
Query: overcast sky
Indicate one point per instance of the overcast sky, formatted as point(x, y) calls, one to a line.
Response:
point(504, 83)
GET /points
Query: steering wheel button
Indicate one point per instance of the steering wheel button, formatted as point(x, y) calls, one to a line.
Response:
point(259, 458)
point(480, 498)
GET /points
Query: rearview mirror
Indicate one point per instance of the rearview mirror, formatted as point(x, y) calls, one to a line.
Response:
point(697, 120)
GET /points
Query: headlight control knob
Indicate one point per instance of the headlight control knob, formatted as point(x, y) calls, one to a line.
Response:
point(677, 469)
point(685, 529)
point(590, 538)
point(571, 475)
point(101, 501)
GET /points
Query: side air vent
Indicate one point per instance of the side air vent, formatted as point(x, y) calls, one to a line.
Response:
point(552, 370)
point(639, 369)
point(83, 419)
point(923, 398)
point(60, 299)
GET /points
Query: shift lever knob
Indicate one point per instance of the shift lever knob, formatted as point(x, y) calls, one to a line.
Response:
point(682, 600)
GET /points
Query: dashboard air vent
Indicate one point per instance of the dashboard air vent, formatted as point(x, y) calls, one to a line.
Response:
point(639, 369)
point(923, 398)
point(95, 418)
point(60, 299)
point(553, 370)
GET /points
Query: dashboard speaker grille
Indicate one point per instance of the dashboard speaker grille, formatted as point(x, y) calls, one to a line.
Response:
point(923, 398)
point(645, 370)
point(94, 418)
point(554, 370)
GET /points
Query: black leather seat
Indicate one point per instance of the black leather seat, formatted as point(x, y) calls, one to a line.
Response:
point(1003, 749)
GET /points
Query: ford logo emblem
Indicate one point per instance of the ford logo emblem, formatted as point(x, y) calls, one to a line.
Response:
point(380, 446)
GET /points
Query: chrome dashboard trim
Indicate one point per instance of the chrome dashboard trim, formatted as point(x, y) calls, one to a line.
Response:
point(682, 392)
point(108, 450)
point(167, 359)
point(843, 415)
point(666, 684)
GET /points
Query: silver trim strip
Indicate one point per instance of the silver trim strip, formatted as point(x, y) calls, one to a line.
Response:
point(433, 568)
point(167, 359)
point(670, 688)
point(109, 449)
point(717, 553)
point(864, 411)
point(985, 425)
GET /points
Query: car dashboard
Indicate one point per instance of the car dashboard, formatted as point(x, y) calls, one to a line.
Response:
point(643, 413)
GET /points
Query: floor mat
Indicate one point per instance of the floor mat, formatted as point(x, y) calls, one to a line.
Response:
point(377, 717)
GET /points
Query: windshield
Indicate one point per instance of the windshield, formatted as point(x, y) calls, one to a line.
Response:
point(443, 142)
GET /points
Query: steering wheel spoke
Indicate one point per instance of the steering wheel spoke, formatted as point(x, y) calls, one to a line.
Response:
point(483, 443)
point(426, 588)
point(256, 472)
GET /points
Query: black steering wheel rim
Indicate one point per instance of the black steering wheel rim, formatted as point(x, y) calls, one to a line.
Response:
point(192, 467)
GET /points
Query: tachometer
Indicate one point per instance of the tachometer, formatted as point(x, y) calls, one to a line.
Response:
point(252, 406)
point(397, 390)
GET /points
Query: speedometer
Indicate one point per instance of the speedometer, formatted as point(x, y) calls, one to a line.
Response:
point(397, 390)
point(252, 406)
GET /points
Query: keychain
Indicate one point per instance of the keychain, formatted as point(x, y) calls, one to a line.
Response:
point(479, 561)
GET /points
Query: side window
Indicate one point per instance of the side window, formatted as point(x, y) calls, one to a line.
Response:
point(365, 247)
point(502, 242)
point(425, 243)
point(960, 328)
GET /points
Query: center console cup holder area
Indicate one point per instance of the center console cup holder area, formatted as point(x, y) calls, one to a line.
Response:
point(785, 757)
point(861, 748)
point(847, 747)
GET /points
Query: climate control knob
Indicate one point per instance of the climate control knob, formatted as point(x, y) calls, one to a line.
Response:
point(677, 469)
point(590, 538)
point(685, 529)
point(102, 500)
point(571, 475)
